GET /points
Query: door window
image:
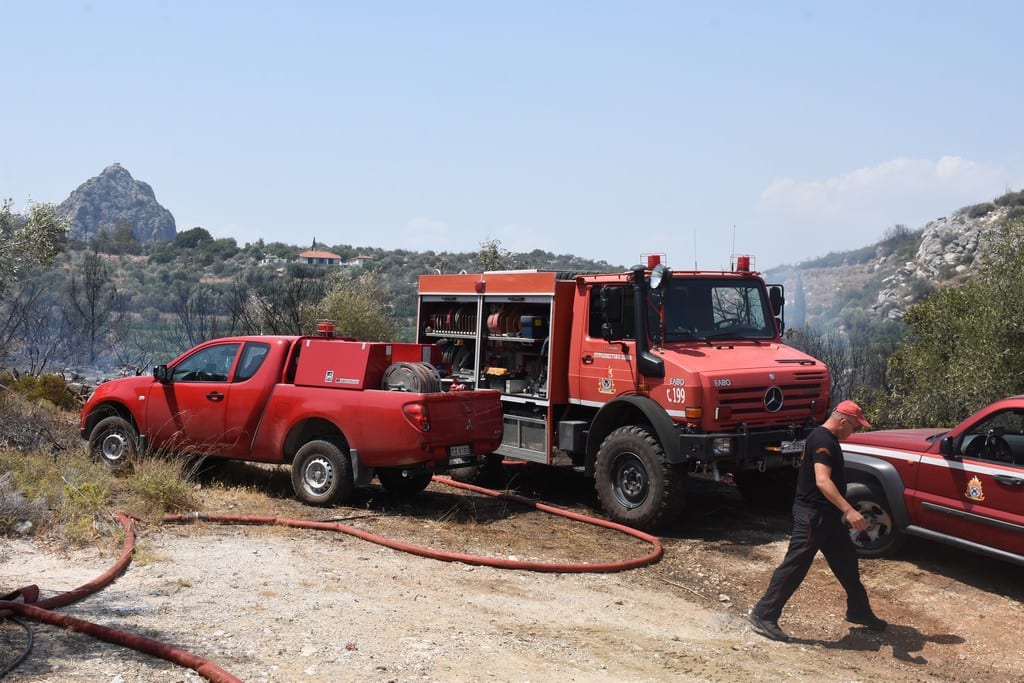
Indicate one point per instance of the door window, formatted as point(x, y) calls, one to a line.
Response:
point(211, 364)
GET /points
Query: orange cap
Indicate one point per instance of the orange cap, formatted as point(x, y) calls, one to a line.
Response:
point(851, 409)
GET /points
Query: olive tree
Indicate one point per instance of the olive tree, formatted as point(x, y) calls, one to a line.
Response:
point(32, 239)
point(359, 306)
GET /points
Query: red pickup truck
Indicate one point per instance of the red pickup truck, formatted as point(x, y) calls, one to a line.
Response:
point(338, 410)
point(962, 486)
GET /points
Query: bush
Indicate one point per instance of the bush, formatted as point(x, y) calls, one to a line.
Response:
point(157, 485)
point(50, 387)
point(1011, 199)
point(979, 210)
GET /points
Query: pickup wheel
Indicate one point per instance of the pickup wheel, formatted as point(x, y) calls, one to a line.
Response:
point(881, 538)
point(401, 486)
point(114, 442)
point(634, 482)
point(322, 474)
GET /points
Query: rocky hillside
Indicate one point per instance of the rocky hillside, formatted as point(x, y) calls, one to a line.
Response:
point(882, 280)
point(113, 200)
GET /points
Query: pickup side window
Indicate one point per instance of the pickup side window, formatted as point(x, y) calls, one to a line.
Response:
point(1000, 437)
point(210, 364)
point(253, 356)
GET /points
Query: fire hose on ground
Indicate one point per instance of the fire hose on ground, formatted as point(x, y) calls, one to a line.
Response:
point(31, 607)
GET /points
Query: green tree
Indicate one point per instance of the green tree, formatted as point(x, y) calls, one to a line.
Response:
point(964, 346)
point(493, 257)
point(359, 307)
point(29, 240)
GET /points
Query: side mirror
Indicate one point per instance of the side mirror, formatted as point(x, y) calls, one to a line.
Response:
point(947, 448)
point(777, 298)
point(611, 313)
point(160, 373)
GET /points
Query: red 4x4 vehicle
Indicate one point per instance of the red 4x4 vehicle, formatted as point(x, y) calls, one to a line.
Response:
point(962, 486)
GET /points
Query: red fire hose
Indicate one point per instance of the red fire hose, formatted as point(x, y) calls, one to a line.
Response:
point(40, 610)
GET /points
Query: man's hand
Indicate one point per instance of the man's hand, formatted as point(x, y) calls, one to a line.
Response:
point(855, 520)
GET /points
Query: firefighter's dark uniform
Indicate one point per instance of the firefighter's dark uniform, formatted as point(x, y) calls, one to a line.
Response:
point(817, 525)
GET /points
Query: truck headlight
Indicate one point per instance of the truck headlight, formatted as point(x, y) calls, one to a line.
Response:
point(721, 446)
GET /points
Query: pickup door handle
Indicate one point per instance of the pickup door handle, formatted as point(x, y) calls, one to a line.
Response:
point(1008, 480)
point(588, 359)
point(215, 396)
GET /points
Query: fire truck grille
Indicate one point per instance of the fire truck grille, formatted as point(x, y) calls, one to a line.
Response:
point(762, 406)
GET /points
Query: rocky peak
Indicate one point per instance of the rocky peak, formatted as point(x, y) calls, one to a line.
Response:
point(882, 281)
point(112, 199)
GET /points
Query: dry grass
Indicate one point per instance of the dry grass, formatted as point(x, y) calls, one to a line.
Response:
point(50, 487)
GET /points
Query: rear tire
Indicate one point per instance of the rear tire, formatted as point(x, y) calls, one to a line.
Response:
point(635, 484)
point(114, 442)
point(322, 474)
point(881, 538)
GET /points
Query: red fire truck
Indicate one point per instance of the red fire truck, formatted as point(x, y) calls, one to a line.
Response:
point(638, 379)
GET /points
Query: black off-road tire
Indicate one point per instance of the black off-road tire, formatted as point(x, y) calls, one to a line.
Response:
point(114, 441)
point(634, 482)
point(322, 474)
point(881, 538)
point(403, 486)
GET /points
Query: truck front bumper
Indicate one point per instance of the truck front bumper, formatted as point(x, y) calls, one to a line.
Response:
point(758, 450)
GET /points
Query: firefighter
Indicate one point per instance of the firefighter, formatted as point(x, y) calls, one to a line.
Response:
point(821, 516)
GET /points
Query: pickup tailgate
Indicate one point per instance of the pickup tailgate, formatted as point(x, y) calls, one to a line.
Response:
point(463, 423)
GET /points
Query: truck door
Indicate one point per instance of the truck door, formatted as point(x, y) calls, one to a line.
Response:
point(604, 369)
point(188, 411)
point(979, 496)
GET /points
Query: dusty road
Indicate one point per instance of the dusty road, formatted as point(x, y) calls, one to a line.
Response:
point(279, 604)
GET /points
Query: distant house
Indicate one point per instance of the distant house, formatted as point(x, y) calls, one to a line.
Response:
point(319, 258)
point(359, 260)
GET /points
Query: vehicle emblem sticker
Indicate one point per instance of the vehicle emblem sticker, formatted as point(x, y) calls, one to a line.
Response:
point(974, 491)
point(329, 377)
point(773, 399)
point(606, 385)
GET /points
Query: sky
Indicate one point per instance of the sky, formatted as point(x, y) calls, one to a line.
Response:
point(698, 130)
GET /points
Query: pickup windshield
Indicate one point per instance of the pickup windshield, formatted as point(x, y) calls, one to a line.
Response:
point(703, 309)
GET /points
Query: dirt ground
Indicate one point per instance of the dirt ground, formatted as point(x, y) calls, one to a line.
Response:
point(270, 603)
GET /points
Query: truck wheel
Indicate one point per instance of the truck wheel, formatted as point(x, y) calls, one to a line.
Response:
point(322, 474)
point(403, 486)
point(881, 538)
point(114, 442)
point(634, 482)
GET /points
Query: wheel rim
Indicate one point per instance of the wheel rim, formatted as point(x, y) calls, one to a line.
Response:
point(318, 475)
point(630, 481)
point(879, 525)
point(114, 447)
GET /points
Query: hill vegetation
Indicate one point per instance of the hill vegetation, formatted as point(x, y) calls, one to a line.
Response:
point(114, 302)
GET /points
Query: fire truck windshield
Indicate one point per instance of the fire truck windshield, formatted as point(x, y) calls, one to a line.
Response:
point(710, 308)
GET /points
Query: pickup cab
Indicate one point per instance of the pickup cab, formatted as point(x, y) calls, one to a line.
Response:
point(962, 486)
point(338, 410)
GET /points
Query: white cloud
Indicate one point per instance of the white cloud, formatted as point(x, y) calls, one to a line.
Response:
point(809, 218)
point(885, 192)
